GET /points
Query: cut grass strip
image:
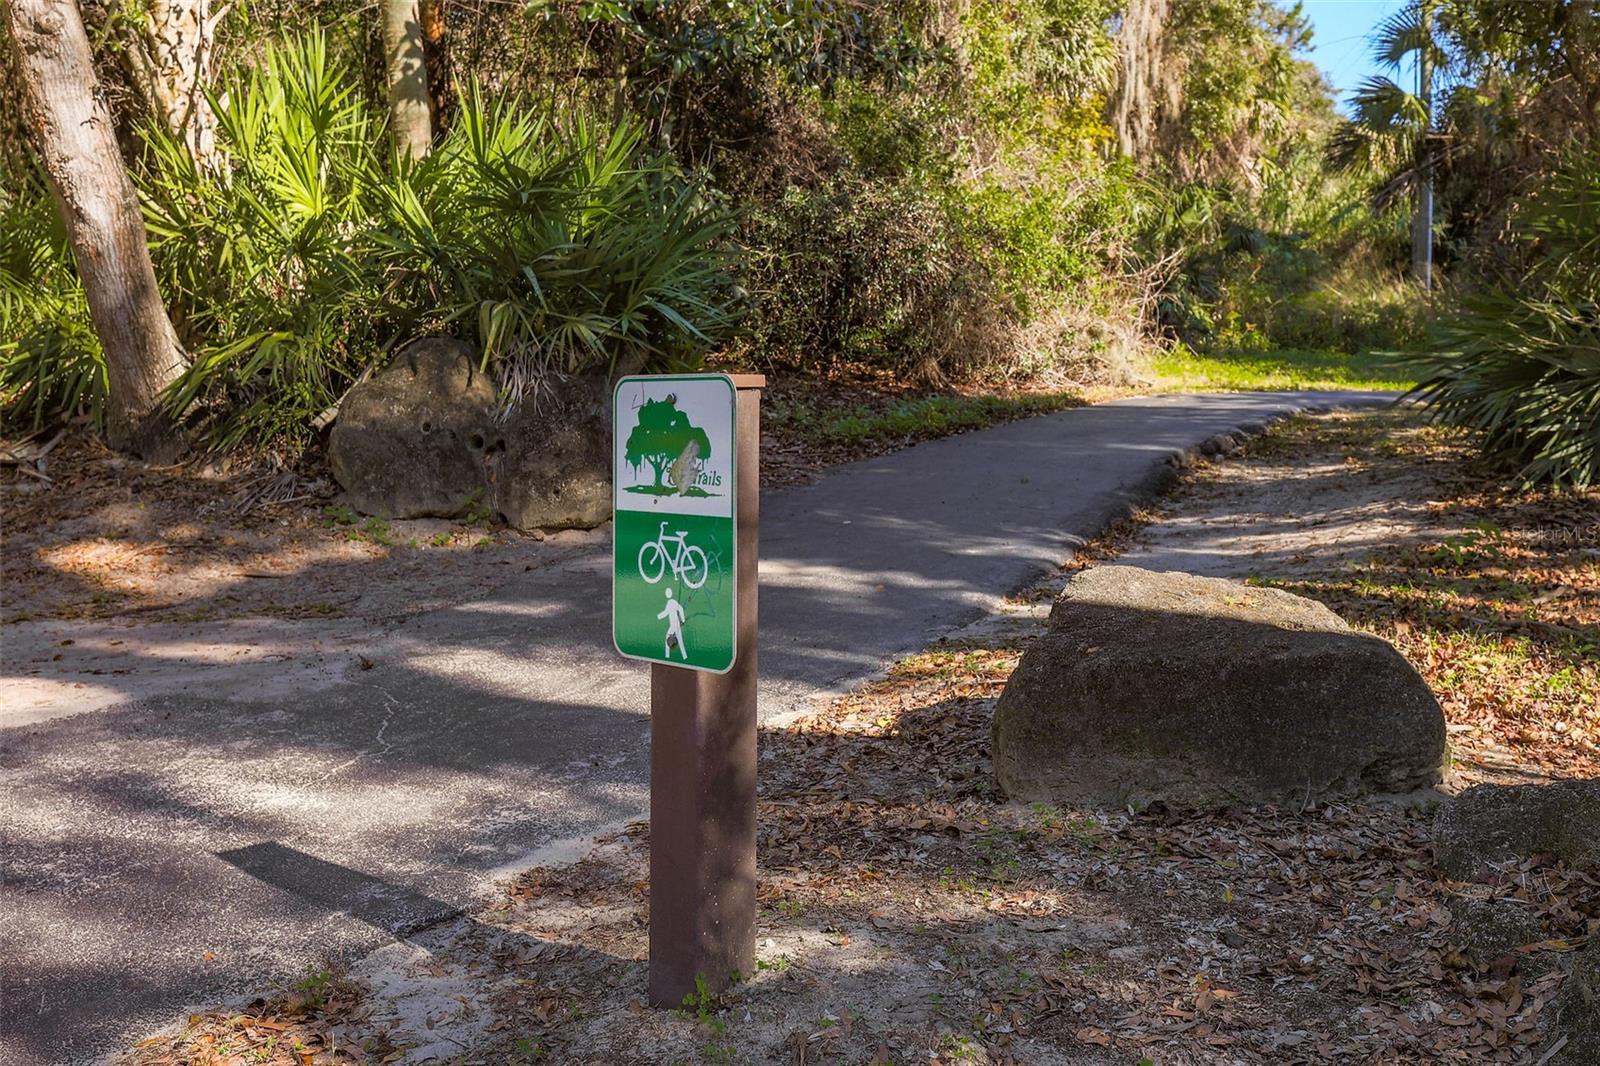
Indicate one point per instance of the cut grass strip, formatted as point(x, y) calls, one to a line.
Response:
point(1185, 370)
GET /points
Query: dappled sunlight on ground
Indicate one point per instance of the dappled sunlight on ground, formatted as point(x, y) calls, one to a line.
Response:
point(909, 912)
point(117, 540)
point(1492, 594)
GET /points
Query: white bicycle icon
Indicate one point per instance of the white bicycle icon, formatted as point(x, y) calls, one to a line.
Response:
point(688, 563)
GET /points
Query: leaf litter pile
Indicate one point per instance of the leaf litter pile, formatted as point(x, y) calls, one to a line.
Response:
point(102, 538)
point(910, 913)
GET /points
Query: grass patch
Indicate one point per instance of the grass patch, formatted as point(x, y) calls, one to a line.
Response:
point(914, 418)
point(1183, 369)
point(809, 425)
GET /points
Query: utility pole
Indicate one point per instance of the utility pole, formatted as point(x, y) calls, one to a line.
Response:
point(1422, 221)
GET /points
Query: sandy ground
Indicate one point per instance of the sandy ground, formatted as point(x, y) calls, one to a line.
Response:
point(909, 913)
point(1295, 516)
point(227, 824)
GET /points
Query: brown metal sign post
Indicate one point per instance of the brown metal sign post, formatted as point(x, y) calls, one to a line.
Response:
point(703, 776)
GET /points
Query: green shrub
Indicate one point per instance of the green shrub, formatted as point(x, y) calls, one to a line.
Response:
point(297, 266)
point(50, 359)
point(1520, 366)
point(1241, 286)
point(1524, 374)
point(865, 271)
point(1041, 243)
point(1355, 312)
point(568, 248)
point(266, 260)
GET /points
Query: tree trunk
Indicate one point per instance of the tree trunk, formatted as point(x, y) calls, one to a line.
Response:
point(170, 56)
point(1135, 101)
point(72, 130)
point(436, 53)
point(408, 77)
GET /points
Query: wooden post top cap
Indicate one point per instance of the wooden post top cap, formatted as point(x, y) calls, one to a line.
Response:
point(749, 381)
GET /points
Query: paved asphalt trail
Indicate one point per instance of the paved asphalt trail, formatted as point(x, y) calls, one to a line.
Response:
point(197, 834)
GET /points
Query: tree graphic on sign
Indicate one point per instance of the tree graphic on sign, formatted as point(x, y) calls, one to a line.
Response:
point(662, 437)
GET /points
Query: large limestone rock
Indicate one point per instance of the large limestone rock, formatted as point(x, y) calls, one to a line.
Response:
point(423, 438)
point(411, 442)
point(555, 470)
point(1197, 691)
point(1492, 824)
point(1578, 1012)
point(1487, 930)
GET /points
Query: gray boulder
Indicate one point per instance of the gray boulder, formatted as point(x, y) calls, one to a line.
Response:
point(411, 442)
point(555, 469)
point(1492, 824)
point(1490, 929)
point(423, 439)
point(1578, 1011)
point(1203, 692)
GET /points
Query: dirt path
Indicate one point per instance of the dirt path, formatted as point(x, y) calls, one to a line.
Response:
point(1492, 594)
point(910, 914)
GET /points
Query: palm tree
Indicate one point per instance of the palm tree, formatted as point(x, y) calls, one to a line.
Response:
point(1392, 133)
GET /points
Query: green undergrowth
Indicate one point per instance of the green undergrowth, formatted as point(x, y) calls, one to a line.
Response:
point(916, 418)
point(1183, 369)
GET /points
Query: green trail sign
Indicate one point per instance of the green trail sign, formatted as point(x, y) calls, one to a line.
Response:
point(673, 503)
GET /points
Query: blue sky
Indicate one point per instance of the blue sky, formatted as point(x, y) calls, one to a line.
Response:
point(1339, 30)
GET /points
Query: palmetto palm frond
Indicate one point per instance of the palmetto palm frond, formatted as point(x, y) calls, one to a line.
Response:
point(1404, 34)
point(1385, 130)
point(556, 245)
point(1524, 374)
point(1522, 369)
point(50, 359)
point(566, 246)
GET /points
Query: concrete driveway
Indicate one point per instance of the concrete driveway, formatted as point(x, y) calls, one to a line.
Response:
point(193, 813)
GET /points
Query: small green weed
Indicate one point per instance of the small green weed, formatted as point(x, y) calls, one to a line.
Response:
point(961, 1048)
point(1479, 542)
point(479, 513)
point(314, 988)
point(705, 1009)
point(379, 532)
point(791, 908)
point(529, 1052)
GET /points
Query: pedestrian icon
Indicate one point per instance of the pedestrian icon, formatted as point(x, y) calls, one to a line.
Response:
point(673, 613)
